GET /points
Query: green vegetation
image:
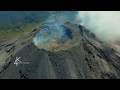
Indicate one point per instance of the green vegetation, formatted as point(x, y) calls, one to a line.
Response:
point(10, 32)
point(15, 22)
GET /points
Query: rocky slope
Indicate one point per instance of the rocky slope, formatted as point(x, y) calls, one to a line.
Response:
point(88, 59)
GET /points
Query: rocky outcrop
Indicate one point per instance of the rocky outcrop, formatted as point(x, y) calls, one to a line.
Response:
point(9, 48)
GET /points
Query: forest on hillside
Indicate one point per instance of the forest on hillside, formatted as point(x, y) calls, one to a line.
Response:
point(15, 22)
point(12, 20)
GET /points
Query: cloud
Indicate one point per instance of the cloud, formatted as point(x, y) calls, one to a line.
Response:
point(104, 24)
point(52, 35)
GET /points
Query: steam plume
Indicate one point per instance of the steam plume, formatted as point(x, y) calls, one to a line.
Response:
point(104, 24)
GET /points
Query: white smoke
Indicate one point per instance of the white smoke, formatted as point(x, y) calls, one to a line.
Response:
point(53, 35)
point(104, 24)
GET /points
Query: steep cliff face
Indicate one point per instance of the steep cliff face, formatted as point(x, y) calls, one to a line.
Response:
point(84, 57)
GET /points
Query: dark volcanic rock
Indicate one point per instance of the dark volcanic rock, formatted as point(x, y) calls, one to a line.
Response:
point(9, 48)
point(88, 59)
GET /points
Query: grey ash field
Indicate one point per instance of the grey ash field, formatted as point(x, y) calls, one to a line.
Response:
point(88, 59)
